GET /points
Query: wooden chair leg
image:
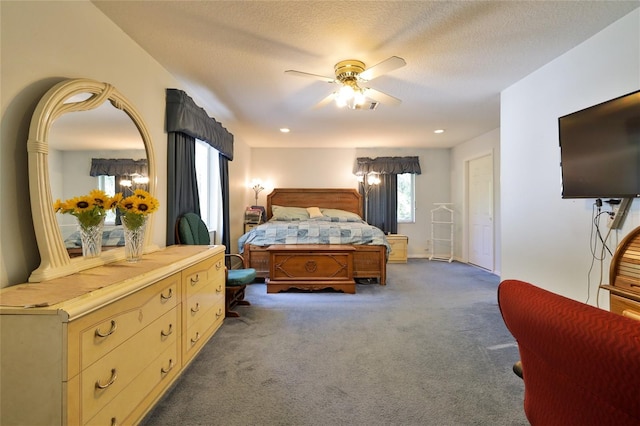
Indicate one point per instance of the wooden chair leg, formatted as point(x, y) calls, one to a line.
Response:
point(234, 295)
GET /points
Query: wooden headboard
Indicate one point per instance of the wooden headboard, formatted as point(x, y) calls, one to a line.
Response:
point(330, 198)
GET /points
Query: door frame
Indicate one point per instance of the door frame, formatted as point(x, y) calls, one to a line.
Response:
point(466, 225)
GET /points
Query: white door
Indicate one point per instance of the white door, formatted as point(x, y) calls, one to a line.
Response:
point(480, 196)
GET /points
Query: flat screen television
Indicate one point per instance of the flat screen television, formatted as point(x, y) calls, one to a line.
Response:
point(600, 150)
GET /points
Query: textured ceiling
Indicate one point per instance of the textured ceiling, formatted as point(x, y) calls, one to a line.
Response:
point(231, 57)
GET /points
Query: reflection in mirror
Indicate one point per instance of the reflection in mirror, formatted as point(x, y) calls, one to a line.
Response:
point(75, 122)
point(102, 149)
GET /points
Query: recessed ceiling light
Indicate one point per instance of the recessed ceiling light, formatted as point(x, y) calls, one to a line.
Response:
point(438, 131)
point(285, 130)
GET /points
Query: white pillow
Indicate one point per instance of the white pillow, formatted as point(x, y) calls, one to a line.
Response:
point(289, 213)
point(314, 212)
point(341, 214)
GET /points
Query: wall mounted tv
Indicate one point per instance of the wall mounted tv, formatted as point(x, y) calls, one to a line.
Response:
point(600, 150)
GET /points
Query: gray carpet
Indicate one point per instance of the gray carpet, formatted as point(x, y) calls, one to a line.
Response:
point(430, 348)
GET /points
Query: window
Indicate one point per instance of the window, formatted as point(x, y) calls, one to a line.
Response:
point(209, 187)
point(108, 185)
point(406, 198)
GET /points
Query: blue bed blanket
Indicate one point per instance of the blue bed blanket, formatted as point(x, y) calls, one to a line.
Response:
point(113, 236)
point(323, 230)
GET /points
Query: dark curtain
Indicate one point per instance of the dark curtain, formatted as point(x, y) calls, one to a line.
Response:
point(184, 116)
point(186, 121)
point(182, 187)
point(118, 167)
point(383, 204)
point(382, 201)
point(387, 165)
point(224, 183)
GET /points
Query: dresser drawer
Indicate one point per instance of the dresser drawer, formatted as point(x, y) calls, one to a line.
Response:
point(125, 408)
point(200, 303)
point(196, 277)
point(106, 378)
point(625, 307)
point(197, 333)
point(100, 332)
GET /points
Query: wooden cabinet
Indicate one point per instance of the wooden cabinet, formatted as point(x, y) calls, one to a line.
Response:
point(624, 277)
point(103, 345)
point(311, 267)
point(398, 245)
point(249, 226)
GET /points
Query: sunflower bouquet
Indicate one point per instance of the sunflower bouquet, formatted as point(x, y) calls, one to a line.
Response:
point(136, 208)
point(90, 210)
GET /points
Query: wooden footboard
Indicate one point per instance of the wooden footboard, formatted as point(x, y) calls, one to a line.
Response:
point(368, 261)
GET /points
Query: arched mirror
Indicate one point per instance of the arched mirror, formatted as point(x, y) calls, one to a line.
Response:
point(77, 124)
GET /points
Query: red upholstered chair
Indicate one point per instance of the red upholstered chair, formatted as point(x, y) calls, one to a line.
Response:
point(580, 364)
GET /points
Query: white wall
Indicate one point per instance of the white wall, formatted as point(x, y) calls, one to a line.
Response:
point(489, 143)
point(545, 239)
point(44, 43)
point(333, 168)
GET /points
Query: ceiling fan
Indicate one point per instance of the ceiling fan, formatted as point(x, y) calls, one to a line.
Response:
point(352, 76)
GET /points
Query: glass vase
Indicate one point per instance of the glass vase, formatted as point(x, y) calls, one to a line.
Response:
point(134, 238)
point(91, 238)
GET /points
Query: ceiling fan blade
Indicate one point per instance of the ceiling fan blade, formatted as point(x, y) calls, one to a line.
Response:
point(324, 102)
point(308, 75)
point(379, 96)
point(383, 67)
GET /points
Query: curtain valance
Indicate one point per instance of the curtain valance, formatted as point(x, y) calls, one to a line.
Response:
point(387, 165)
point(183, 115)
point(118, 167)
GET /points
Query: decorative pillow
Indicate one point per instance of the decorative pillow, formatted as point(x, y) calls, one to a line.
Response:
point(289, 213)
point(314, 212)
point(341, 214)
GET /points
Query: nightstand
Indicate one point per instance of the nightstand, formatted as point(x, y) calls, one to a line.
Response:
point(398, 245)
point(249, 226)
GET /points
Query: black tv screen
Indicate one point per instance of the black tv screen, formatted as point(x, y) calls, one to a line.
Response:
point(600, 150)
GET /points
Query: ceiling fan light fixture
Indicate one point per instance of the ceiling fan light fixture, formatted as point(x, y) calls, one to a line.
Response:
point(350, 95)
point(348, 70)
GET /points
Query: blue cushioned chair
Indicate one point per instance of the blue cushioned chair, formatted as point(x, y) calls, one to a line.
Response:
point(191, 230)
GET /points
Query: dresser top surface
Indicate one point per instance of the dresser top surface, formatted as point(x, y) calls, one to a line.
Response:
point(118, 277)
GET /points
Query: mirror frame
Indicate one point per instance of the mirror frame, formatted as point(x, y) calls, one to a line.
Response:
point(54, 258)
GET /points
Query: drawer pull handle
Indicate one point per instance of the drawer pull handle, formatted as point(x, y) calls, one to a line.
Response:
point(171, 365)
point(195, 280)
point(219, 313)
point(168, 333)
point(196, 309)
point(163, 297)
point(219, 265)
point(195, 339)
point(219, 289)
point(114, 376)
point(114, 422)
point(112, 330)
point(631, 314)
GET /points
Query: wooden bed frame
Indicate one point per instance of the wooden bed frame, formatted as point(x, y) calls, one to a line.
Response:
point(369, 261)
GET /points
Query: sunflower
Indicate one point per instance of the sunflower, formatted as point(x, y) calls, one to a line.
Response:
point(127, 204)
point(114, 201)
point(90, 209)
point(80, 204)
point(100, 198)
point(135, 208)
point(58, 206)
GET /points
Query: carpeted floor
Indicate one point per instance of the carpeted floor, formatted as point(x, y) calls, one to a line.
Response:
point(429, 348)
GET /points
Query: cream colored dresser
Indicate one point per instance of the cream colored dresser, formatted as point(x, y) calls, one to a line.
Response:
point(100, 347)
point(398, 245)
